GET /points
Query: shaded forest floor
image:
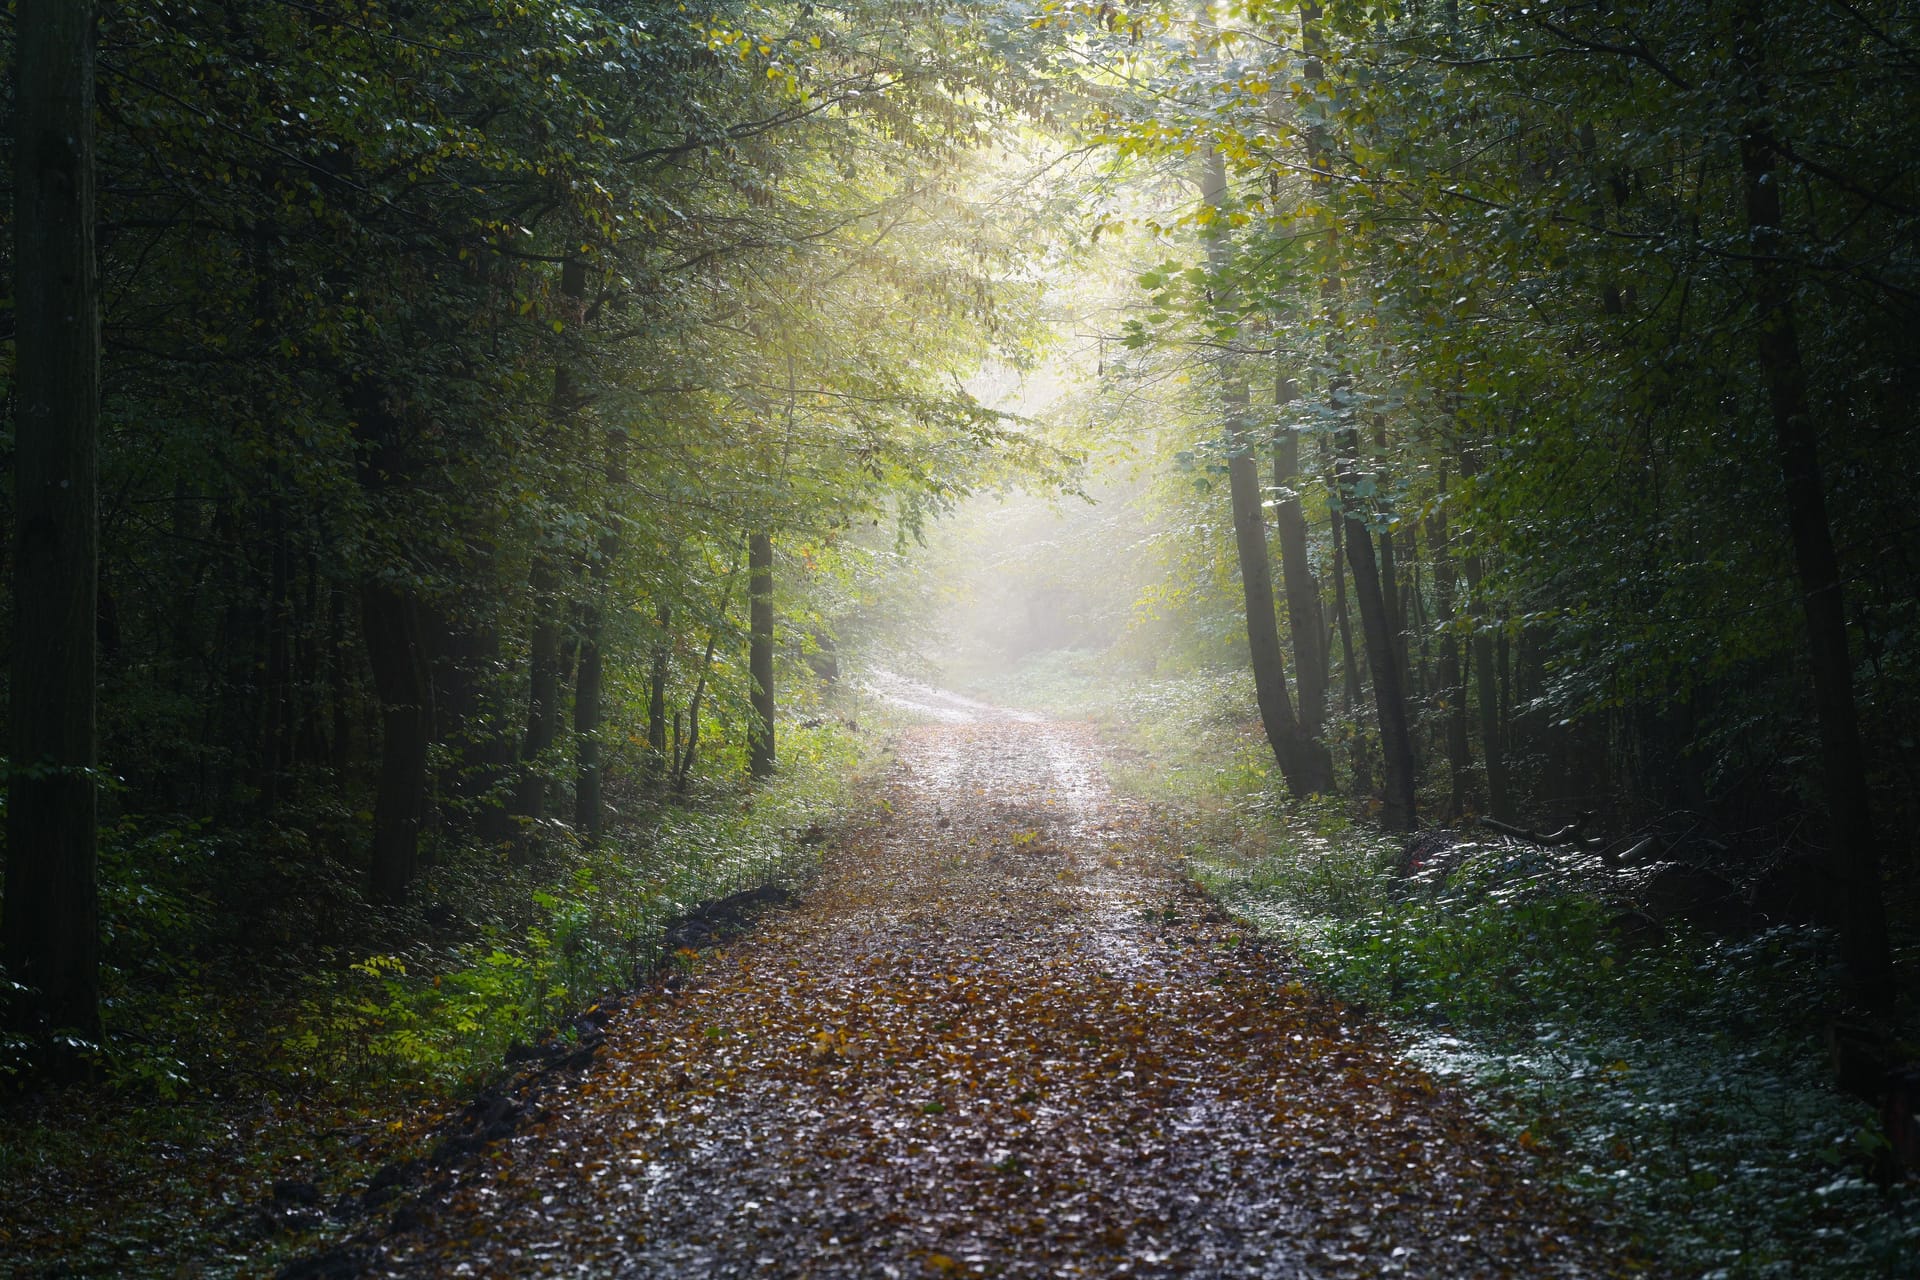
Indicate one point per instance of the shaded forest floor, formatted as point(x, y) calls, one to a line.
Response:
point(1002, 1036)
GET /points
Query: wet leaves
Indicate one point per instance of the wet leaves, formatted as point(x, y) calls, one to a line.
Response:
point(1002, 1038)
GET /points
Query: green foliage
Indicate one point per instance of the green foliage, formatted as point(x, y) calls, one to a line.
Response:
point(442, 1013)
point(242, 1048)
point(1683, 1085)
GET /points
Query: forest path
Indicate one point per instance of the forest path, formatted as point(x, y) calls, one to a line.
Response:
point(1001, 1037)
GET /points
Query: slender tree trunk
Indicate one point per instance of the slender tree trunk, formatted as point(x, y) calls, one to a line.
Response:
point(589, 799)
point(1390, 703)
point(1452, 693)
point(543, 693)
point(1304, 765)
point(466, 656)
point(546, 657)
point(589, 806)
point(1376, 625)
point(1415, 658)
point(1486, 683)
point(1486, 673)
point(1855, 854)
point(309, 742)
point(683, 765)
point(50, 925)
point(391, 623)
point(340, 745)
point(1306, 619)
point(1386, 555)
point(657, 695)
point(760, 745)
point(270, 753)
point(1358, 760)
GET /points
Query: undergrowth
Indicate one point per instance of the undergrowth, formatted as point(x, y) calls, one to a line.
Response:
point(1681, 1086)
point(263, 1026)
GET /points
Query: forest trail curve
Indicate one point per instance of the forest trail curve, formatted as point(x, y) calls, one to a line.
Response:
point(1001, 1037)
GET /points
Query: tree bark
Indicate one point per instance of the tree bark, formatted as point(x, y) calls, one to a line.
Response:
point(391, 624)
point(1305, 617)
point(543, 693)
point(1389, 699)
point(589, 806)
point(1855, 852)
point(760, 745)
point(1486, 684)
point(50, 925)
point(589, 795)
point(1453, 688)
point(1304, 764)
point(1357, 758)
point(657, 757)
point(1376, 627)
point(1486, 672)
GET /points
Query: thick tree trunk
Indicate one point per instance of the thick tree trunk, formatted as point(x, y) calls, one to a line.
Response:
point(1855, 853)
point(760, 745)
point(1306, 619)
point(50, 925)
point(391, 624)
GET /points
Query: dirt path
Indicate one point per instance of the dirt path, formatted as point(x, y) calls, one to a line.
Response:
point(1000, 1038)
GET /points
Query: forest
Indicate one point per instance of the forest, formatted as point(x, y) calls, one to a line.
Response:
point(518, 506)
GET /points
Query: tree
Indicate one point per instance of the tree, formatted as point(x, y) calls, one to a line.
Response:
point(1822, 595)
point(50, 927)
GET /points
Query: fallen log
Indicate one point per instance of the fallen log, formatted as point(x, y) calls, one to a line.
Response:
point(1574, 833)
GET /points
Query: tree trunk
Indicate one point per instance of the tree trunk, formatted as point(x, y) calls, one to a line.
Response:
point(1485, 677)
point(1389, 699)
point(760, 746)
point(1452, 693)
point(543, 693)
point(1305, 765)
point(340, 740)
point(1415, 659)
point(50, 926)
point(1306, 619)
point(1357, 758)
point(589, 807)
point(390, 621)
point(1855, 852)
point(1376, 626)
point(546, 659)
point(657, 757)
point(466, 653)
point(1486, 673)
point(589, 798)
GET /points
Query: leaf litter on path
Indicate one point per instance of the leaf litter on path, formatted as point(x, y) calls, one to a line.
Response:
point(1002, 1037)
